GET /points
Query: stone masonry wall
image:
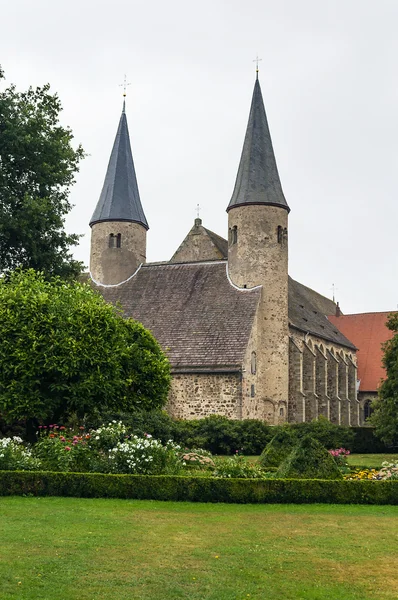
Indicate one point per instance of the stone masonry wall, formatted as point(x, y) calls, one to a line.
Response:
point(113, 265)
point(258, 255)
point(198, 395)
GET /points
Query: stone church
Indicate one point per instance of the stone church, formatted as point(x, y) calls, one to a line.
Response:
point(243, 339)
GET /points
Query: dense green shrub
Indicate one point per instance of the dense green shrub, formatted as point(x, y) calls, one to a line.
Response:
point(277, 449)
point(365, 442)
point(309, 460)
point(219, 434)
point(328, 434)
point(197, 489)
point(253, 435)
point(63, 349)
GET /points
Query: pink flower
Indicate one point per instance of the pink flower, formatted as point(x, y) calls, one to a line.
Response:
point(62, 438)
point(81, 427)
point(62, 427)
point(67, 447)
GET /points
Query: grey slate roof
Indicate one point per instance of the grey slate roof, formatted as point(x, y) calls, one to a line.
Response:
point(199, 319)
point(306, 313)
point(120, 198)
point(257, 181)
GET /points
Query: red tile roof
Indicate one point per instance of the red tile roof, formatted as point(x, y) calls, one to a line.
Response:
point(368, 331)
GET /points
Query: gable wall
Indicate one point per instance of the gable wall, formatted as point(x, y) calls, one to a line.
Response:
point(197, 246)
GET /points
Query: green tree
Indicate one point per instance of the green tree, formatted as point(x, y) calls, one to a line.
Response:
point(64, 350)
point(37, 168)
point(385, 416)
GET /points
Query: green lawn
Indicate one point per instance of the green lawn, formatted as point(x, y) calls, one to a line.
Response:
point(80, 549)
point(371, 460)
point(367, 460)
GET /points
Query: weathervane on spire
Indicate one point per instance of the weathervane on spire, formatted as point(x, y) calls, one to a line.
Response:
point(124, 86)
point(257, 60)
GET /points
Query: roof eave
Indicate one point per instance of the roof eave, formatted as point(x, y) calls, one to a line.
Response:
point(277, 204)
point(110, 220)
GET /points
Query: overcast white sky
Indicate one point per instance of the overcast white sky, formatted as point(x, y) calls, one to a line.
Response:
point(330, 85)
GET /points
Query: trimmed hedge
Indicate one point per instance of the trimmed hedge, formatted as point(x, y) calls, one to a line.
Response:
point(309, 459)
point(277, 449)
point(197, 489)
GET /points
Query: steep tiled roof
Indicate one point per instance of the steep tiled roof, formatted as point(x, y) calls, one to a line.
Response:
point(368, 331)
point(120, 198)
point(197, 316)
point(306, 312)
point(257, 181)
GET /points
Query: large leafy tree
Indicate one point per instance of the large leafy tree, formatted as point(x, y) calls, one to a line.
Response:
point(64, 350)
point(385, 416)
point(37, 168)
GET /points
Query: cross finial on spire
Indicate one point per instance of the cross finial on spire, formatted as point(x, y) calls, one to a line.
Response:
point(124, 86)
point(198, 211)
point(334, 289)
point(257, 60)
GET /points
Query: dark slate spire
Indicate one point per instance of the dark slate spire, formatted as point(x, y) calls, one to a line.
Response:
point(120, 198)
point(257, 181)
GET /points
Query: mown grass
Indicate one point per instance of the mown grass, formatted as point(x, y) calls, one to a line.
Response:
point(371, 460)
point(80, 549)
point(366, 460)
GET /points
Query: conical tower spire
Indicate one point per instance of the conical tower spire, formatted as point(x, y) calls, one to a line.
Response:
point(257, 181)
point(120, 198)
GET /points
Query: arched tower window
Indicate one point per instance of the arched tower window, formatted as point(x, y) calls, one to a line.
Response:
point(119, 240)
point(367, 409)
point(234, 234)
point(253, 365)
point(111, 240)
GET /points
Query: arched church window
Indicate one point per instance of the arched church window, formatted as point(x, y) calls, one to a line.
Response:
point(280, 234)
point(111, 240)
point(252, 391)
point(234, 234)
point(367, 409)
point(281, 411)
point(253, 365)
point(119, 240)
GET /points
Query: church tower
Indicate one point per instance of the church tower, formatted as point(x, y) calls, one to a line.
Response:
point(118, 225)
point(258, 256)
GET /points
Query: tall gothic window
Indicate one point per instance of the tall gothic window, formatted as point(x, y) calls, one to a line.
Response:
point(367, 409)
point(111, 240)
point(234, 234)
point(119, 240)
